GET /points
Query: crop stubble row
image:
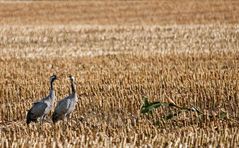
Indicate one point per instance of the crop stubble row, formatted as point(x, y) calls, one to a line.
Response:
point(86, 40)
point(103, 12)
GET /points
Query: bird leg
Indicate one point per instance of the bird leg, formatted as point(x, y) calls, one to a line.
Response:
point(65, 124)
point(67, 117)
point(39, 125)
point(46, 119)
point(42, 119)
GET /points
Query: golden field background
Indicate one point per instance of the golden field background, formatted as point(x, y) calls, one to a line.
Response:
point(119, 52)
point(106, 12)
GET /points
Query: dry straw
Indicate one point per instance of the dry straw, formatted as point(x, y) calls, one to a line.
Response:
point(194, 66)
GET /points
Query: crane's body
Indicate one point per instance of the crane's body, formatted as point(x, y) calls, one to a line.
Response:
point(67, 105)
point(41, 108)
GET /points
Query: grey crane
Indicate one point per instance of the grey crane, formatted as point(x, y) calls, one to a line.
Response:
point(67, 105)
point(42, 107)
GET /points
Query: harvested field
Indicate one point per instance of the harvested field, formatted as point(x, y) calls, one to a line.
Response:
point(193, 65)
point(187, 54)
point(161, 12)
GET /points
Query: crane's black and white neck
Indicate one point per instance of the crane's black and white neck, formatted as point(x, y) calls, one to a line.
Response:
point(52, 79)
point(73, 84)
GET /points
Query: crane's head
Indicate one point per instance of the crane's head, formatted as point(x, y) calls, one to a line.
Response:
point(53, 78)
point(72, 78)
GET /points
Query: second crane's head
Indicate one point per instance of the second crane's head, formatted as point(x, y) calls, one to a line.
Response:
point(53, 78)
point(72, 78)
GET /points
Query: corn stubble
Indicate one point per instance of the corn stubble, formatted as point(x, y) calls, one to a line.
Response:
point(194, 66)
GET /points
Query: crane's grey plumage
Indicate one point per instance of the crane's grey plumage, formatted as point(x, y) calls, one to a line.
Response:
point(41, 108)
point(67, 105)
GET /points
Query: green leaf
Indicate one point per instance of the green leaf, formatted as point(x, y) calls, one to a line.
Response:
point(222, 115)
point(148, 107)
point(145, 99)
